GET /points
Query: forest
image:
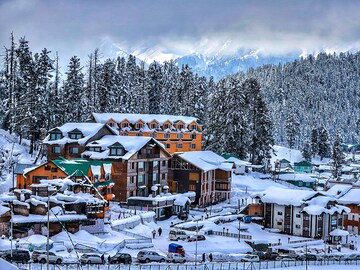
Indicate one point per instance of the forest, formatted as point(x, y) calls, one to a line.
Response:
point(299, 104)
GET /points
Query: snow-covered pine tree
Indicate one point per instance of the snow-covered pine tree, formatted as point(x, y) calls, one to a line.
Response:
point(155, 85)
point(170, 88)
point(121, 95)
point(292, 127)
point(324, 150)
point(314, 140)
point(73, 91)
point(186, 92)
point(306, 151)
point(107, 87)
point(337, 155)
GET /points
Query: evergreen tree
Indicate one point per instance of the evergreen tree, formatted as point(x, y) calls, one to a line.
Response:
point(292, 129)
point(107, 87)
point(73, 91)
point(337, 155)
point(314, 141)
point(155, 84)
point(307, 151)
point(323, 143)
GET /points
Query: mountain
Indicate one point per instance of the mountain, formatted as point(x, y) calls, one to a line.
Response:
point(221, 66)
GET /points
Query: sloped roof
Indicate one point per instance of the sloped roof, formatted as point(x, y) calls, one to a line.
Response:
point(19, 168)
point(87, 129)
point(339, 190)
point(284, 196)
point(79, 164)
point(147, 118)
point(131, 144)
point(205, 160)
point(351, 197)
point(303, 163)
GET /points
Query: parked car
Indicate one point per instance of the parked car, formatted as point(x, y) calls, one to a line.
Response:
point(261, 254)
point(124, 258)
point(42, 257)
point(178, 235)
point(352, 257)
point(90, 258)
point(250, 258)
point(271, 255)
point(199, 237)
point(311, 257)
point(18, 255)
point(150, 256)
point(285, 258)
point(175, 258)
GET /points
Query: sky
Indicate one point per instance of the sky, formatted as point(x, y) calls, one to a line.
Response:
point(164, 29)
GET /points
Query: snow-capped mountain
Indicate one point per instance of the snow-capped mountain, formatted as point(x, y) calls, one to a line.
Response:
point(220, 66)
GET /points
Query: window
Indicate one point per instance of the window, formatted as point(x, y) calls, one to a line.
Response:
point(155, 164)
point(95, 149)
point(116, 151)
point(306, 217)
point(193, 136)
point(180, 136)
point(141, 165)
point(297, 226)
point(192, 146)
point(298, 215)
point(306, 229)
point(279, 213)
point(192, 187)
point(163, 163)
point(166, 136)
point(179, 145)
point(47, 168)
point(320, 218)
point(153, 135)
point(180, 127)
point(139, 134)
point(54, 169)
point(193, 127)
point(138, 126)
point(155, 177)
point(166, 126)
point(75, 136)
point(153, 126)
point(163, 176)
point(56, 149)
point(125, 125)
point(55, 136)
point(132, 165)
point(111, 124)
point(74, 150)
point(168, 145)
point(279, 223)
point(132, 179)
point(140, 178)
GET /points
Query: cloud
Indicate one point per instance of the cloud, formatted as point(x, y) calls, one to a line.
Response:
point(175, 28)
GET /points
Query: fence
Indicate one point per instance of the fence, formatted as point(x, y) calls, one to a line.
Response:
point(233, 235)
point(190, 266)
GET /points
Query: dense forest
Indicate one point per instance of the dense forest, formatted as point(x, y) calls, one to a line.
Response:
point(294, 104)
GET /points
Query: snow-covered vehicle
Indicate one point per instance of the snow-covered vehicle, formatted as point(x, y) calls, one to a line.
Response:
point(175, 258)
point(250, 258)
point(150, 256)
point(53, 258)
point(178, 235)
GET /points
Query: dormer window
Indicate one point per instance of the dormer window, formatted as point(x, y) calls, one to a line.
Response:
point(111, 124)
point(55, 136)
point(75, 134)
point(139, 125)
point(95, 149)
point(153, 126)
point(166, 126)
point(125, 125)
point(180, 127)
point(193, 127)
point(116, 150)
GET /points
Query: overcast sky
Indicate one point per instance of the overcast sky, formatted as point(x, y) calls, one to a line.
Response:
point(175, 28)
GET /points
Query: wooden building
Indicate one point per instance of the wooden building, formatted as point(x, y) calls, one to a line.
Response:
point(176, 133)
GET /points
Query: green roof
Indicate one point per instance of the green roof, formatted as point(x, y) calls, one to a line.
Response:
point(302, 163)
point(103, 184)
point(69, 166)
point(284, 161)
point(228, 155)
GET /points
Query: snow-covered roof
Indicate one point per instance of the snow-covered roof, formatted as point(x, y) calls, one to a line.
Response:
point(296, 177)
point(319, 205)
point(339, 190)
point(351, 197)
point(3, 210)
point(131, 144)
point(339, 232)
point(283, 196)
point(88, 130)
point(238, 162)
point(18, 219)
point(147, 118)
point(206, 160)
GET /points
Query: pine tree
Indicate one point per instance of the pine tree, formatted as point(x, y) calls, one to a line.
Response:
point(107, 87)
point(73, 91)
point(292, 129)
point(155, 85)
point(307, 151)
point(337, 155)
point(323, 143)
point(314, 141)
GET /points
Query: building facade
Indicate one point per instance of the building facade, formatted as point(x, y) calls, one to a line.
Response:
point(176, 133)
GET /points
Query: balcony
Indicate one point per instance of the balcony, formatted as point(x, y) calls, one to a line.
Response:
point(147, 156)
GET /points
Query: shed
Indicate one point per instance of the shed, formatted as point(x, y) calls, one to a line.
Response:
point(303, 166)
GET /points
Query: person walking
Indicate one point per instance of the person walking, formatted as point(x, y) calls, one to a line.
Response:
point(103, 259)
point(210, 257)
point(203, 257)
point(153, 233)
point(159, 231)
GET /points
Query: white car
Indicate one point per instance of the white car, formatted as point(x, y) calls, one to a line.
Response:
point(150, 256)
point(53, 258)
point(175, 258)
point(90, 258)
point(250, 258)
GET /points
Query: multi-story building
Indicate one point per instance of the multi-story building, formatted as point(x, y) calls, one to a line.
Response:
point(176, 133)
point(139, 164)
point(69, 140)
point(203, 172)
point(300, 212)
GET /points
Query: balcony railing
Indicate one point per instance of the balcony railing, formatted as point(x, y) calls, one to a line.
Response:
point(148, 156)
